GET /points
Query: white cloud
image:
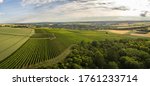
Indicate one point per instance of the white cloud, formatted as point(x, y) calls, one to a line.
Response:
point(1, 1)
point(37, 2)
point(73, 11)
point(122, 5)
point(1, 14)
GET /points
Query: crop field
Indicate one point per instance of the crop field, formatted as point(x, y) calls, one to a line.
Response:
point(16, 31)
point(11, 40)
point(143, 35)
point(41, 45)
point(36, 49)
point(43, 34)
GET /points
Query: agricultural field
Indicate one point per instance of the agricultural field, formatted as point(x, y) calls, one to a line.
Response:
point(44, 47)
point(11, 39)
point(130, 32)
point(141, 35)
point(16, 31)
point(36, 49)
point(43, 34)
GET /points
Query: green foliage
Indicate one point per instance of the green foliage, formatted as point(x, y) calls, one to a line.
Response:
point(98, 59)
point(112, 65)
point(139, 54)
point(129, 62)
point(147, 63)
point(111, 54)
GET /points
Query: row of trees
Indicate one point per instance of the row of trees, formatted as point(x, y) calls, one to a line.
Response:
point(109, 54)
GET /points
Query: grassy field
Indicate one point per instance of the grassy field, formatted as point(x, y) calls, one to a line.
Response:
point(46, 46)
point(16, 31)
point(11, 40)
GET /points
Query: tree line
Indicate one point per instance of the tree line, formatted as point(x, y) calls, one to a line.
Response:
point(108, 54)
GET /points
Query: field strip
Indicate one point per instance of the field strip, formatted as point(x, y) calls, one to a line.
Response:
point(53, 61)
point(54, 37)
point(8, 51)
point(16, 32)
point(129, 32)
point(13, 34)
point(143, 35)
point(5, 39)
point(119, 31)
point(43, 38)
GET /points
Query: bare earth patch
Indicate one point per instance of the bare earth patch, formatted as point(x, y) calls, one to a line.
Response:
point(144, 35)
point(119, 31)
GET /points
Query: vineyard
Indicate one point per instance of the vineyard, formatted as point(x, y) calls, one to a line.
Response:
point(35, 50)
point(43, 34)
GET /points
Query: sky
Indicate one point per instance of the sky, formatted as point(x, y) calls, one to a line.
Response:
point(25, 11)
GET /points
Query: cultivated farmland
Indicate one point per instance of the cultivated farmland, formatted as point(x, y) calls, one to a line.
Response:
point(11, 40)
point(38, 48)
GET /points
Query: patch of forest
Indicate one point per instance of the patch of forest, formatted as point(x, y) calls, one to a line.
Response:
point(109, 54)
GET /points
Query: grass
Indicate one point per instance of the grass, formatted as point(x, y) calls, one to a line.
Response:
point(88, 35)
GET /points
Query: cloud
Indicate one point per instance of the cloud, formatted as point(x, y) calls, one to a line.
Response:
point(1, 14)
point(104, 3)
point(1, 1)
point(144, 14)
point(38, 2)
point(80, 4)
point(123, 8)
point(72, 11)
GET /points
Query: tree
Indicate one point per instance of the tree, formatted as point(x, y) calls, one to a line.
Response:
point(75, 66)
point(141, 55)
point(87, 62)
point(112, 65)
point(99, 60)
point(112, 54)
point(94, 43)
point(147, 63)
point(130, 63)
